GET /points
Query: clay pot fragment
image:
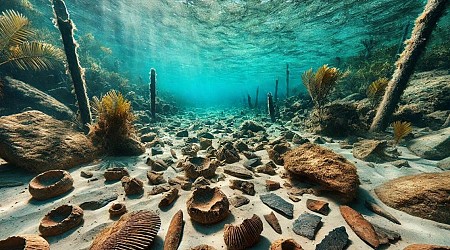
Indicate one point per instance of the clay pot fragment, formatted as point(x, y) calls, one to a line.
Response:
point(132, 185)
point(174, 233)
point(273, 222)
point(208, 205)
point(244, 235)
point(61, 220)
point(50, 184)
point(169, 197)
point(25, 242)
point(117, 209)
point(199, 166)
point(285, 244)
point(115, 174)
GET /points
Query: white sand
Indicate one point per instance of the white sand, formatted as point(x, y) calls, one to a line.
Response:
point(19, 214)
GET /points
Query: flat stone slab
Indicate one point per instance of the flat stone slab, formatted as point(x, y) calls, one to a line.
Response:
point(238, 171)
point(337, 239)
point(307, 225)
point(239, 200)
point(278, 204)
point(252, 163)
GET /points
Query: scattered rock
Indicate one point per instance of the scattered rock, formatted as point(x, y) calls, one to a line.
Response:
point(283, 244)
point(181, 181)
point(273, 222)
point(299, 140)
point(337, 239)
point(241, 146)
point(155, 178)
point(37, 142)
point(173, 154)
point(25, 242)
point(381, 212)
point(175, 231)
point(252, 163)
point(115, 174)
point(157, 165)
point(244, 235)
point(159, 189)
point(148, 137)
point(157, 151)
point(307, 225)
point(182, 133)
point(205, 134)
point(199, 166)
point(294, 198)
point(61, 220)
point(250, 155)
point(268, 168)
point(276, 152)
point(169, 198)
point(99, 202)
point(201, 181)
point(228, 153)
point(272, 185)
point(190, 149)
point(50, 184)
point(238, 171)
point(239, 200)
point(252, 126)
point(86, 174)
point(132, 185)
point(278, 204)
point(360, 226)
point(208, 205)
point(426, 247)
point(245, 186)
point(323, 166)
point(422, 195)
point(372, 150)
point(434, 146)
point(203, 247)
point(301, 191)
point(320, 207)
point(386, 236)
point(205, 143)
point(117, 209)
point(401, 164)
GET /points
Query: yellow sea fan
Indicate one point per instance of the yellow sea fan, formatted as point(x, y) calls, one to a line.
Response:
point(377, 88)
point(401, 129)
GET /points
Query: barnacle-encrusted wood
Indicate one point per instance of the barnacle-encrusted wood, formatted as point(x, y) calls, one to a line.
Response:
point(207, 205)
point(117, 209)
point(283, 244)
point(61, 220)
point(50, 184)
point(25, 242)
point(243, 236)
point(200, 166)
point(134, 231)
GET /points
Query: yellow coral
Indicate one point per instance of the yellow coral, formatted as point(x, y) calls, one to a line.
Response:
point(377, 88)
point(401, 129)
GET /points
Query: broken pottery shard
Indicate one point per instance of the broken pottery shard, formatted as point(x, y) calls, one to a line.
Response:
point(386, 236)
point(99, 202)
point(360, 226)
point(169, 197)
point(337, 239)
point(278, 204)
point(238, 171)
point(239, 200)
point(307, 225)
point(245, 186)
point(320, 207)
point(174, 233)
point(273, 222)
point(381, 212)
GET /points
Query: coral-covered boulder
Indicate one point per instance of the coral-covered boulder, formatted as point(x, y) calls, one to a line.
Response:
point(423, 195)
point(323, 166)
point(38, 142)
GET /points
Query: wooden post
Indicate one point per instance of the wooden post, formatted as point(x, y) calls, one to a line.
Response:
point(271, 107)
point(256, 98)
point(287, 80)
point(276, 90)
point(421, 33)
point(66, 27)
point(249, 101)
point(153, 93)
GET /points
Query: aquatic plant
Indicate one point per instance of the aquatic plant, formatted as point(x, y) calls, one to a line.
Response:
point(320, 84)
point(401, 129)
point(113, 127)
point(376, 89)
point(17, 50)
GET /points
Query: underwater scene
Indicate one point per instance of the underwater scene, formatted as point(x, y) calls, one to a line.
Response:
point(224, 124)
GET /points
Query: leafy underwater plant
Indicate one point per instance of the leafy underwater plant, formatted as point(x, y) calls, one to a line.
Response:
point(376, 89)
point(17, 50)
point(113, 129)
point(401, 129)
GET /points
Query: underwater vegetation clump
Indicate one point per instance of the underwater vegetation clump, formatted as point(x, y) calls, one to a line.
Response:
point(376, 89)
point(401, 129)
point(113, 129)
point(16, 48)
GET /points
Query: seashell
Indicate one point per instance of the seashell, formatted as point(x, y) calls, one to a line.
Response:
point(115, 174)
point(243, 236)
point(117, 209)
point(50, 184)
point(25, 242)
point(169, 197)
point(207, 205)
point(132, 185)
point(199, 166)
point(132, 231)
point(61, 220)
point(273, 222)
point(203, 247)
point(288, 244)
point(174, 233)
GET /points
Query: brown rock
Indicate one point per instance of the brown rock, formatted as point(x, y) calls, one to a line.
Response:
point(61, 220)
point(199, 166)
point(238, 171)
point(203, 247)
point(159, 189)
point(294, 198)
point(276, 152)
point(282, 244)
point(422, 195)
point(273, 222)
point(169, 198)
point(360, 226)
point(321, 165)
point(239, 200)
point(320, 207)
point(155, 178)
point(132, 185)
point(115, 174)
point(86, 174)
point(175, 231)
point(181, 181)
point(245, 186)
point(272, 185)
point(425, 247)
point(244, 235)
point(157, 165)
point(268, 168)
point(205, 143)
point(228, 153)
point(25, 242)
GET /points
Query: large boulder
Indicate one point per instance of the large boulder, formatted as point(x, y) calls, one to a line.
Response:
point(38, 142)
point(435, 146)
point(19, 96)
point(423, 195)
point(323, 166)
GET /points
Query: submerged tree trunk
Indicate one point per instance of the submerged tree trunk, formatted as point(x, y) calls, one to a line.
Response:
point(66, 28)
point(153, 93)
point(424, 25)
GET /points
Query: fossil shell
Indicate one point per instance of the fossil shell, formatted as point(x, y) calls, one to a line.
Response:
point(207, 205)
point(117, 209)
point(25, 242)
point(174, 233)
point(115, 174)
point(243, 236)
point(61, 220)
point(288, 244)
point(169, 197)
point(132, 231)
point(50, 184)
point(199, 166)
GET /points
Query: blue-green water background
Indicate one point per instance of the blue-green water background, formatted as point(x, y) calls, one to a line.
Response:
point(218, 51)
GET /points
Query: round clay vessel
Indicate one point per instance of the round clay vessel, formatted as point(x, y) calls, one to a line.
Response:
point(50, 184)
point(285, 244)
point(61, 220)
point(25, 242)
point(200, 166)
point(208, 205)
point(244, 235)
point(117, 209)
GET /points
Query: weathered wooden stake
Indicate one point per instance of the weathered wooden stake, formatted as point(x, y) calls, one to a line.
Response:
point(153, 93)
point(66, 27)
point(276, 90)
point(256, 98)
point(421, 33)
point(287, 80)
point(249, 101)
point(271, 107)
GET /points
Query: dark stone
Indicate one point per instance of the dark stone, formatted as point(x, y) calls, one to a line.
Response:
point(245, 186)
point(250, 155)
point(157, 165)
point(239, 200)
point(241, 146)
point(157, 151)
point(228, 153)
point(206, 135)
point(149, 137)
point(252, 126)
point(182, 133)
point(99, 202)
point(86, 174)
point(278, 204)
point(238, 171)
point(205, 143)
point(386, 236)
point(299, 140)
point(252, 163)
point(276, 153)
point(337, 239)
point(307, 225)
